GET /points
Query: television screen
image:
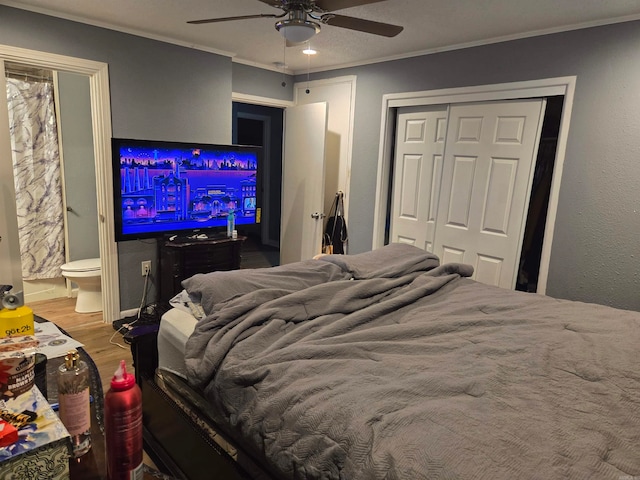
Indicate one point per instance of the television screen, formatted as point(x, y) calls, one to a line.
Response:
point(163, 188)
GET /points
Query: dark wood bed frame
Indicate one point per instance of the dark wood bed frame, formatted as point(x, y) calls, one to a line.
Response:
point(180, 444)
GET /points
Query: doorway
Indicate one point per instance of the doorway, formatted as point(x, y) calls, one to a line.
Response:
point(52, 146)
point(97, 73)
point(263, 126)
point(339, 94)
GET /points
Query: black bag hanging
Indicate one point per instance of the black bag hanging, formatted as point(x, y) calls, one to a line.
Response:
point(335, 232)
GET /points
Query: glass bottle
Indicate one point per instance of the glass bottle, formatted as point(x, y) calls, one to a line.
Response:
point(74, 403)
point(231, 222)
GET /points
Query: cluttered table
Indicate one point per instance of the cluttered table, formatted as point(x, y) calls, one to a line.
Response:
point(36, 444)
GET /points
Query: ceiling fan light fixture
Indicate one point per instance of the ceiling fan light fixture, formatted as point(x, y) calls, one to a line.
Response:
point(297, 30)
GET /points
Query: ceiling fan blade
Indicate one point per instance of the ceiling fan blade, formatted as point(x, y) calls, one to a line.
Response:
point(226, 19)
point(368, 26)
point(273, 3)
point(332, 5)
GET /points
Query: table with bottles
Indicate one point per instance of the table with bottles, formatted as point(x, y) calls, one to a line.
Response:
point(93, 464)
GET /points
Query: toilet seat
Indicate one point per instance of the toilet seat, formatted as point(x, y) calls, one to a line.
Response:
point(86, 265)
point(87, 275)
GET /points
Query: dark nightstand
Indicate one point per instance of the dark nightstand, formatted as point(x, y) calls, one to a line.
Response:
point(144, 350)
point(180, 260)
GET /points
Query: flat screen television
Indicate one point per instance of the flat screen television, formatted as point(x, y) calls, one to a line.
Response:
point(164, 188)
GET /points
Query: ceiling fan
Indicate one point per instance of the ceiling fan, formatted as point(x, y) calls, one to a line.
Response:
point(304, 18)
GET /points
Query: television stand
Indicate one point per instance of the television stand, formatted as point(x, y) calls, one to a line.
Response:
point(183, 257)
point(196, 238)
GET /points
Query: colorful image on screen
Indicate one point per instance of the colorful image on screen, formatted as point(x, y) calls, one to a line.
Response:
point(171, 188)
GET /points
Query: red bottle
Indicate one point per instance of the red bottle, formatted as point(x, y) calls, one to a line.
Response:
point(123, 426)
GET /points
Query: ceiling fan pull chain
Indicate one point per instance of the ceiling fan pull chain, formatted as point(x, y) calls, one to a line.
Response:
point(308, 67)
point(284, 61)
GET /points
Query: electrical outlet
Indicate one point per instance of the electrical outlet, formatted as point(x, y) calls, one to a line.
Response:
point(146, 268)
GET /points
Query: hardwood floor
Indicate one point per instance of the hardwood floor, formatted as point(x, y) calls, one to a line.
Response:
point(97, 337)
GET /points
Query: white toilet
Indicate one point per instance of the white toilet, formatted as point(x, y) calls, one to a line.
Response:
point(87, 275)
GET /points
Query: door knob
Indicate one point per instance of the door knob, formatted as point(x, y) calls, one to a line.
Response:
point(317, 215)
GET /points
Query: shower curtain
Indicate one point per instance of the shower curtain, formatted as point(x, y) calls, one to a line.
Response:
point(37, 178)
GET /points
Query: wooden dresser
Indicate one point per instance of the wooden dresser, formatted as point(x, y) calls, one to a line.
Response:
point(182, 259)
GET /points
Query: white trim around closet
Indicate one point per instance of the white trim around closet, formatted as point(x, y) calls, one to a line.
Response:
point(505, 91)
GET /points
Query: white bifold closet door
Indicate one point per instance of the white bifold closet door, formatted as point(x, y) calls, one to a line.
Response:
point(473, 208)
point(417, 172)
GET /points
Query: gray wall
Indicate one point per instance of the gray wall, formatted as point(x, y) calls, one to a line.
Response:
point(158, 91)
point(268, 86)
point(164, 91)
point(596, 251)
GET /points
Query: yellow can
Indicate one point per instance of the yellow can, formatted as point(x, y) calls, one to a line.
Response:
point(16, 321)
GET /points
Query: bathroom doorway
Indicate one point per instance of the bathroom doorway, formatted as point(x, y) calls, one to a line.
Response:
point(98, 75)
point(52, 148)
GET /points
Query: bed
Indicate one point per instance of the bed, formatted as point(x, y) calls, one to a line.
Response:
point(388, 365)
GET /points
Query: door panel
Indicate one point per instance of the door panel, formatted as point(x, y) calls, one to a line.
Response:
point(490, 152)
point(459, 207)
point(303, 182)
point(74, 102)
point(499, 195)
point(416, 183)
point(339, 93)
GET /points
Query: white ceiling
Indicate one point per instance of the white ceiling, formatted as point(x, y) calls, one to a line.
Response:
point(429, 26)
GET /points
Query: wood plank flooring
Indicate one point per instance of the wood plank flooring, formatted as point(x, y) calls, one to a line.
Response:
point(88, 328)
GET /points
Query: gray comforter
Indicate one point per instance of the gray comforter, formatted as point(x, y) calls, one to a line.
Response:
point(386, 365)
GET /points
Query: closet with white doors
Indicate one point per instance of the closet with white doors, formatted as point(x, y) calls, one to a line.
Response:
point(461, 182)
